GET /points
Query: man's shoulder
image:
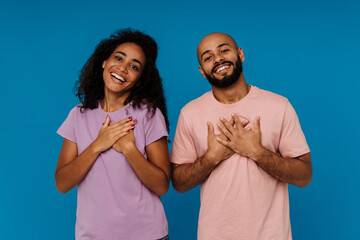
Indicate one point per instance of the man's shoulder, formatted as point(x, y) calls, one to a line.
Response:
point(196, 104)
point(268, 96)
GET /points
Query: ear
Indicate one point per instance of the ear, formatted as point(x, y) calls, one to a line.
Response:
point(104, 64)
point(241, 54)
point(202, 72)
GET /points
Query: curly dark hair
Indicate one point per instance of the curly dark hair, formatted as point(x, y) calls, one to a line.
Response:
point(90, 86)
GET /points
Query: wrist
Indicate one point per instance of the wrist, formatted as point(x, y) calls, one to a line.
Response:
point(95, 148)
point(259, 154)
point(128, 148)
point(209, 157)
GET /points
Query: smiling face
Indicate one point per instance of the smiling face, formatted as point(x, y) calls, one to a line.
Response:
point(123, 68)
point(220, 59)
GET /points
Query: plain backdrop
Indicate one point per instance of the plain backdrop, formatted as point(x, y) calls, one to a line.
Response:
point(307, 51)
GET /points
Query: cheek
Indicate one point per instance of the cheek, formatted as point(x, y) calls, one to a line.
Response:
point(208, 68)
point(137, 76)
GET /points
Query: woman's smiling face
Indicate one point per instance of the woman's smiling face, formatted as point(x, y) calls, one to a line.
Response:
point(123, 68)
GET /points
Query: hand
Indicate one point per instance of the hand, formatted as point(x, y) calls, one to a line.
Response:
point(244, 142)
point(216, 152)
point(110, 133)
point(125, 143)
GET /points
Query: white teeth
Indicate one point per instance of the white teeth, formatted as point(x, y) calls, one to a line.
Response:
point(117, 77)
point(222, 68)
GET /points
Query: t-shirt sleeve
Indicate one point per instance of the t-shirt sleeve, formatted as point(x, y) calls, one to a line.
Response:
point(292, 139)
point(67, 129)
point(183, 148)
point(155, 127)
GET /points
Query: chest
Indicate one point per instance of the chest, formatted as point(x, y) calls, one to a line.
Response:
point(270, 126)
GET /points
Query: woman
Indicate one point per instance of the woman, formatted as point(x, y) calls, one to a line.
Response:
point(115, 143)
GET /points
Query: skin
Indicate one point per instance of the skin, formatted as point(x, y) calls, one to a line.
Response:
point(127, 61)
point(213, 50)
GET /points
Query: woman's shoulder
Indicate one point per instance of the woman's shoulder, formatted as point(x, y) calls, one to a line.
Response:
point(145, 112)
point(79, 110)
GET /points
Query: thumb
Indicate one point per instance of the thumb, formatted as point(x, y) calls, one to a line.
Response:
point(257, 124)
point(210, 129)
point(107, 121)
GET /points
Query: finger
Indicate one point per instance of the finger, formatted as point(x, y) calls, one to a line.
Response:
point(223, 142)
point(128, 120)
point(126, 126)
point(120, 134)
point(244, 122)
point(257, 124)
point(210, 129)
point(225, 131)
point(125, 120)
point(232, 122)
point(227, 124)
point(107, 121)
point(238, 123)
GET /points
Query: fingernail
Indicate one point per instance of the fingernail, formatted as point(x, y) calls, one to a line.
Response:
point(133, 125)
point(135, 121)
point(219, 125)
point(130, 117)
point(222, 119)
point(128, 131)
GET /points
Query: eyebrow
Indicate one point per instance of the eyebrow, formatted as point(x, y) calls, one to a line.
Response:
point(134, 59)
point(223, 44)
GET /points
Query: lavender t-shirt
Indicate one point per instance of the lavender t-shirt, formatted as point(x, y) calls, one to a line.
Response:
point(112, 202)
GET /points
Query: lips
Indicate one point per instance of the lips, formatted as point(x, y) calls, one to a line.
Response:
point(117, 77)
point(222, 68)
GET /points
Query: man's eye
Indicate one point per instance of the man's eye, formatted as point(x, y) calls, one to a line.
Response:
point(225, 50)
point(207, 59)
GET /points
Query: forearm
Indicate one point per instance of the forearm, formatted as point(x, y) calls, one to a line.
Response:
point(151, 176)
point(71, 174)
point(296, 171)
point(187, 176)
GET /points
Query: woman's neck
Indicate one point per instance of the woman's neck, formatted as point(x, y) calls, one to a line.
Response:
point(112, 103)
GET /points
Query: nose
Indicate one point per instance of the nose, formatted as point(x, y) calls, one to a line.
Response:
point(218, 58)
point(122, 67)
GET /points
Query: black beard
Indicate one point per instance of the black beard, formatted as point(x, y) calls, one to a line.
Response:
point(227, 80)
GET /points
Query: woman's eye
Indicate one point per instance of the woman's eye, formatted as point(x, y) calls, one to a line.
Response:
point(118, 58)
point(134, 67)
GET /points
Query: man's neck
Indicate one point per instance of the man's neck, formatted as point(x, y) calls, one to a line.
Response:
point(234, 93)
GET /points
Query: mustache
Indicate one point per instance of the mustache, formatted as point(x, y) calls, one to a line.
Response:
point(213, 69)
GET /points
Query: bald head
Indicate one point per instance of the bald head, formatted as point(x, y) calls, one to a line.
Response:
point(213, 41)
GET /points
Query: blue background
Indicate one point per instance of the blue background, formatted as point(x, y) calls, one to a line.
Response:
point(307, 51)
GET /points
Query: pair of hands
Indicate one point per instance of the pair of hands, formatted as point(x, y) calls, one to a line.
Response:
point(118, 135)
point(233, 139)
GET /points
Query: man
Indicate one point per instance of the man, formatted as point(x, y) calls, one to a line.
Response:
point(246, 160)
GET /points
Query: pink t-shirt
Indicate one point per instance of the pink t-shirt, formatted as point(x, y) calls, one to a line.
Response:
point(239, 200)
point(112, 202)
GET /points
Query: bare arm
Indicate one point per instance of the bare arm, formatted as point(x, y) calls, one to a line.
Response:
point(186, 176)
point(71, 168)
point(296, 171)
point(153, 172)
